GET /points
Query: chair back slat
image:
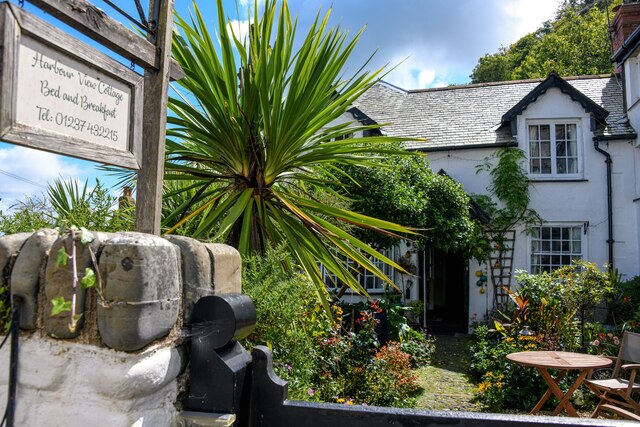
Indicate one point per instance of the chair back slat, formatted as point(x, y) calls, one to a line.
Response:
point(630, 347)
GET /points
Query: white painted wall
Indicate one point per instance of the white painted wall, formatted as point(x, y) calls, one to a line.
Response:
point(62, 383)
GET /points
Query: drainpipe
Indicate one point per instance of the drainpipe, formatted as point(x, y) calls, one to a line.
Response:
point(608, 161)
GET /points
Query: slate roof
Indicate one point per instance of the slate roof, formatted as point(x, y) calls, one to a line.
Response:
point(471, 116)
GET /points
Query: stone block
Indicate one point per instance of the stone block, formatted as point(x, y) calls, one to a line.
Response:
point(25, 275)
point(226, 268)
point(141, 279)
point(196, 272)
point(59, 283)
point(9, 246)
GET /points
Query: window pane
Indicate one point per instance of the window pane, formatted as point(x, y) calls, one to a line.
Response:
point(576, 247)
point(572, 132)
point(576, 233)
point(560, 132)
point(555, 233)
point(546, 232)
point(534, 149)
point(535, 166)
point(572, 166)
point(545, 166)
point(572, 148)
point(545, 149)
point(561, 166)
point(533, 133)
point(545, 134)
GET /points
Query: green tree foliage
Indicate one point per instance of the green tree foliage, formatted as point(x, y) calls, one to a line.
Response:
point(69, 203)
point(255, 144)
point(575, 43)
point(405, 190)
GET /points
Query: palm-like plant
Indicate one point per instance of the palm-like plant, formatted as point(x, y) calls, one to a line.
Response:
point(253, 138)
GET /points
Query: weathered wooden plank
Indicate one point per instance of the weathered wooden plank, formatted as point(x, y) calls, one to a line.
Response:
point(8, 71)
point(95, 23)
point(43, 140)
point(156, 91)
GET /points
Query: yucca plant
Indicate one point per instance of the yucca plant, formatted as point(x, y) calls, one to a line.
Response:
point(252, 130)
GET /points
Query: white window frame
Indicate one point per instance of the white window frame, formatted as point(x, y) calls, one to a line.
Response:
point(369, 281)
point(553, 150)
point(633, 80)
point(555, 249)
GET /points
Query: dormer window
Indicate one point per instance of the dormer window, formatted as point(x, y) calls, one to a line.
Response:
point(553, 149)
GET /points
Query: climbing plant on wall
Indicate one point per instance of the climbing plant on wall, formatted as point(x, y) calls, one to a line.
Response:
point(507, 205)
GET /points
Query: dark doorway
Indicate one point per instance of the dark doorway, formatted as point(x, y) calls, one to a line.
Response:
point(445, 291)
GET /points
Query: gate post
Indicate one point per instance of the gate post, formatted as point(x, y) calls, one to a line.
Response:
point(219, 364)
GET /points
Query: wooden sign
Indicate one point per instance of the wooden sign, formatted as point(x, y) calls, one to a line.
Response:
point(61, 95)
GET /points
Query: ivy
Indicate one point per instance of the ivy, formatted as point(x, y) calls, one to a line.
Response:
point(58, 305)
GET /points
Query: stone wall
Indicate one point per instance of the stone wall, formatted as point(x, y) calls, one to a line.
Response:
point(121, 364)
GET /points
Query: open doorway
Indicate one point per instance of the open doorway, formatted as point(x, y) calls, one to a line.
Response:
point(444, 289)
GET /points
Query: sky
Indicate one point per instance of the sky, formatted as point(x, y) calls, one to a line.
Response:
point(425, 43)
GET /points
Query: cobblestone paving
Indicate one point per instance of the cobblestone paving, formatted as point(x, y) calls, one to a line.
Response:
point(446, 384)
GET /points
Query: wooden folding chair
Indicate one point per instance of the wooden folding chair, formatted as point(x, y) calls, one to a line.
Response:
point(618, 394)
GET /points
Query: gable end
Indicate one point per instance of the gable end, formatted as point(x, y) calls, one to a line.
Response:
point(597, 112)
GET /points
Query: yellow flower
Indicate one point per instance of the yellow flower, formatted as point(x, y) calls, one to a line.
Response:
point(340, 400)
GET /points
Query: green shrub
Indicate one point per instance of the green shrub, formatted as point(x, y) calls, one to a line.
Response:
point(289, 320)
point(624, 309)
point(354, 370)
point(420, 346)
point(503, 385)
point(323, 360)
point(28, 215)
point(389, 378)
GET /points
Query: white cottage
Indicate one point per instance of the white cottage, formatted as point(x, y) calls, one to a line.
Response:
point(579, 137)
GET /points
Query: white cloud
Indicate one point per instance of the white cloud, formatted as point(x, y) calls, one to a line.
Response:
point(525, 16)
point(26, 172)
point(240, 28)
point(426, 77)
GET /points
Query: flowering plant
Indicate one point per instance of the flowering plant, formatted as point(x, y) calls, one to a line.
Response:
point(607, 344)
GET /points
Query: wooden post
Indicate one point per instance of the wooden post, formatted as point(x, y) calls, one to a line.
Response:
point(156, 89)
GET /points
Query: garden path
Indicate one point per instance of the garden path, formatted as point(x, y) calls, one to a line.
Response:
point(446, 384)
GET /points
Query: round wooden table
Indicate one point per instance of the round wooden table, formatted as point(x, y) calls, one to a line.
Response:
point(563, 361)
